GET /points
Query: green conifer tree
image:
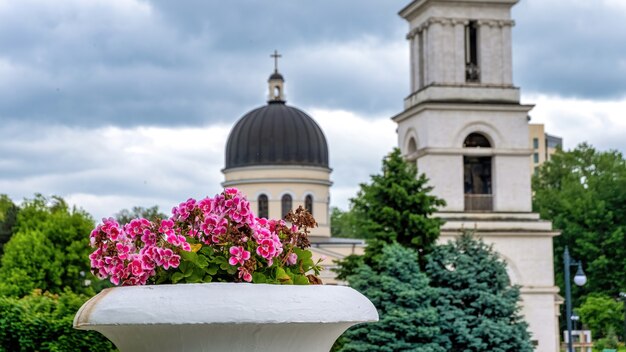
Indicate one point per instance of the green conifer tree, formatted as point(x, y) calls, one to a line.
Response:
point(402, 297)
point(395, 207)
point(477, 306)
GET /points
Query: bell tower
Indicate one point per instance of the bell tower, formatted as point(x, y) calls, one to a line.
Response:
point(464, 127)
point(463, 122)
point(276, 83)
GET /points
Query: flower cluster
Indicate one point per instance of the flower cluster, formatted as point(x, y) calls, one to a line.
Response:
point(216, 238)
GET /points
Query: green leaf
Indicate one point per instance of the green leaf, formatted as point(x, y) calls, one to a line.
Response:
point(211, 269)
point(301, 280)
point(189, 256)
point(207, 251)
point(283, 277)
point(177, 277)
point(258, 278)
point(202, 261)
point(196, 276)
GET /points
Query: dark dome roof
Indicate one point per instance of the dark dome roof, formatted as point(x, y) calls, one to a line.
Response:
point(276, 75)
point(276, 134)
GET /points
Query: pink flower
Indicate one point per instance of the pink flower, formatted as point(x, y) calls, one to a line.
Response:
point(292, 259)
point(266, 248)
point(136, 227)
point(244, 274)
point(166, 227)
point(136, 267)
point(149, 237)
point(238, 255)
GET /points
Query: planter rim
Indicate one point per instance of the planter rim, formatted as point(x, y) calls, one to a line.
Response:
point(224, 303)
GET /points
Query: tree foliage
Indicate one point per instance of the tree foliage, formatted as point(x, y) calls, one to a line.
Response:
point(49, 249)
point(396, 207)
point(43, 322)
point(344, 224)
point(583, 192)
point(124, 216)
point(602, 314)
point(402, 297)
point(477, 307)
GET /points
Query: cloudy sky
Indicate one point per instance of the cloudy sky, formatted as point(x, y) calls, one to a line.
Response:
point(117, 103)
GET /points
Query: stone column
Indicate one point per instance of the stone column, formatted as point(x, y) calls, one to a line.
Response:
point(507, 56)
point(459, 53)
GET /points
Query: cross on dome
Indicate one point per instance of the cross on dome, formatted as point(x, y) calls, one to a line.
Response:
point(276, 55)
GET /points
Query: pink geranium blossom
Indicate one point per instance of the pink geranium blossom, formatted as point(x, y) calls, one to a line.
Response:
point(238, 256)
point(143, 250)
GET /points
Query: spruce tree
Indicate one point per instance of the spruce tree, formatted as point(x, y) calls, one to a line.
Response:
point(402, 297)
point(396, 206)
point(477, 306)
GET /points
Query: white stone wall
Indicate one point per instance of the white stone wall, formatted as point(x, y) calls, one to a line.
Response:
point(439, 132)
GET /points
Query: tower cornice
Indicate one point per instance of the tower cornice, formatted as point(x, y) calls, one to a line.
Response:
point(445, 21)
point(462, 106)
point(417, 6)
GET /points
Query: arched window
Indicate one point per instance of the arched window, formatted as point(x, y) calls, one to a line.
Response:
point(286, 204)
point(276, 92)
point(263, 206)
point(477, 175)
point(308, 203)
point(476, 140)
point(412, 146)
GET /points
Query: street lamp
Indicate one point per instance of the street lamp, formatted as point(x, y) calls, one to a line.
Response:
point(579, 279)
point(622, 296)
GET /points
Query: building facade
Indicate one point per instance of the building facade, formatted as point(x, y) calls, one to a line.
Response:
point(464, 127)
point(543, 145)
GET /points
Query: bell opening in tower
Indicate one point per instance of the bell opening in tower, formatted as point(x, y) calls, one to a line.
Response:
point(477, 175)
point(472, 69)
point(478, 185)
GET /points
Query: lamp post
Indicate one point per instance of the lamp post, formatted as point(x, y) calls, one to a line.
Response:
point(622, 295)
point(579, 279)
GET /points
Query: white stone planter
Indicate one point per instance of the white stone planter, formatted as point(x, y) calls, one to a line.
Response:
point(224, 316)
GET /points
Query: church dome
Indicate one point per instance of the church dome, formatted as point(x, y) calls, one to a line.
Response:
point(276, 75)
point(276, 134)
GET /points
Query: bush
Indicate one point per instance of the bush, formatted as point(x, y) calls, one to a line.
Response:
point(601, 314)
point(43, 322)
point(608, 342)
point(48, 250)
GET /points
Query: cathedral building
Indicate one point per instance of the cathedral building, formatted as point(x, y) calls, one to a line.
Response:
point(278, 156)
point(464, 127)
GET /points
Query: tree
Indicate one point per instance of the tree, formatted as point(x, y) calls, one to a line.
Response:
point(583, 192)
point(43, 322)
point(344, 224)
point(601, 314)
point(402, 297)
point(8, 217)
point(478, 308)
point(49, 249)
point(124, 216)
point(397, 207)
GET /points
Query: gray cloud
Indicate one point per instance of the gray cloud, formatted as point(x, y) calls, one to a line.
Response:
point(160, 63)
point(571, 48)
point(166, 63)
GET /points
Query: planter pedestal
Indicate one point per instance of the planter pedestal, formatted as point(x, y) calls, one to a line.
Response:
point(224, 317)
